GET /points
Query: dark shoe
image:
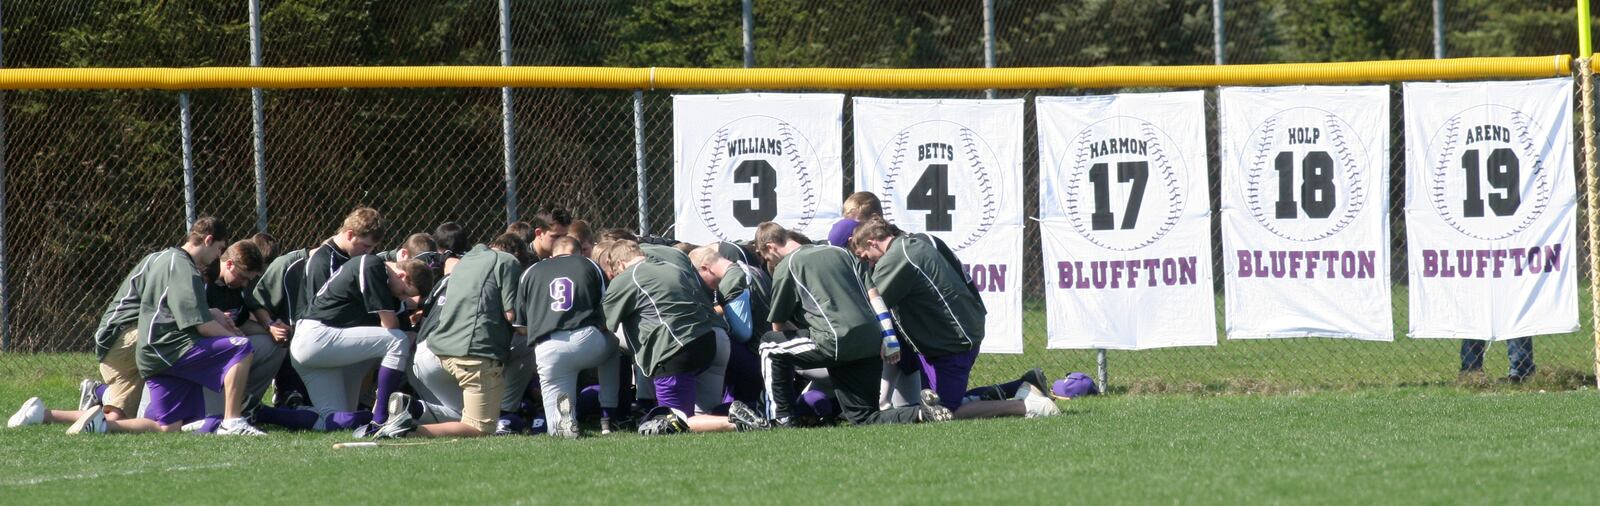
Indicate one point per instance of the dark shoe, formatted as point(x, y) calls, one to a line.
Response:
point(663, 425)
point(746, 419)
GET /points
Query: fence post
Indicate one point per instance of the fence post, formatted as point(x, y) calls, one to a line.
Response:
point(5, 295)
point(1100, 368)
point(188, 159)
point(638, 161)
point(508, 125)
point(988, 41)
point(1438, 29)
point(1219, 37)
point(749, 34)
point(257, 116)
point(1592, 193)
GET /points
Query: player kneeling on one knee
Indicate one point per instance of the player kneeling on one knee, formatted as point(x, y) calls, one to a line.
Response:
point(665, 314)
point(182, 349)
point(348, 328)
point(942, 315)
point(469, 330)
point(560, 312)
point(822, 318)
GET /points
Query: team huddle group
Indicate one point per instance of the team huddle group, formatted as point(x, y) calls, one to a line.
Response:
point(547, 325)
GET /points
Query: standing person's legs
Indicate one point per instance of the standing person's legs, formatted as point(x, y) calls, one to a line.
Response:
point(856, 390)
point(1520, 352)
point(120, 371)
point(709, 383)
point(1471, 355)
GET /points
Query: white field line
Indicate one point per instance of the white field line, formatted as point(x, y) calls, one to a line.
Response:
point(125, 472)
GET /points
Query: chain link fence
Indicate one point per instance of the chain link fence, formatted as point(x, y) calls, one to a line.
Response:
point(95, 179)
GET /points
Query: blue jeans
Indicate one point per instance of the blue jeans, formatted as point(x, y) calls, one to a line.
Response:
point(1519, 351)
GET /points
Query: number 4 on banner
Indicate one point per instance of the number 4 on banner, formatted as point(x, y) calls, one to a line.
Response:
point(932, 194)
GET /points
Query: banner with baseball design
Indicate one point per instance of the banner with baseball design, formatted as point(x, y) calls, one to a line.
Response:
point(740, 160)
point(1305, 212)
point(1490, 203)
point(1125, 216)
point(953, 169)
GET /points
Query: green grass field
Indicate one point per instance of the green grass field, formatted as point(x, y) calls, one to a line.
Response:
point(1410, 445)
point(1346, 422)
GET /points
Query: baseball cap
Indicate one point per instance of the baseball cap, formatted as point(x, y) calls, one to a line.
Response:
point(840, 234)
point(1074, 385)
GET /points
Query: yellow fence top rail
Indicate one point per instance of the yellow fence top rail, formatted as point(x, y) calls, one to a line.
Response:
point(786, 78)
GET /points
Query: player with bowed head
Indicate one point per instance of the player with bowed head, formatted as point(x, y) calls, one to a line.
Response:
point(821, 317)
point(467, 335)
point(943, 317)
point(182, 348)
point(665, 315)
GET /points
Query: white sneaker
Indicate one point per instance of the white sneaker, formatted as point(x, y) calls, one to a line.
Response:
point(86, 396)
point(238, 427)
point(1037, 403)
point(92, 421)
point(31, 413)
point(193, 426)
point(568, 426)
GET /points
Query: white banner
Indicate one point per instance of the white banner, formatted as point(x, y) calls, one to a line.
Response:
point(1125, 214)
point(1305, 212)
point(740, 160)
point(953, 168)
point(1489, 209)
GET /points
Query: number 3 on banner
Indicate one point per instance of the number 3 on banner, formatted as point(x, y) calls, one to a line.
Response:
point(1136, 172)
point(932, 194)
point(763, 180)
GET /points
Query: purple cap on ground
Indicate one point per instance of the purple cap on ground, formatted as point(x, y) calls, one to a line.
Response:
point(840, 234)
point(1074, 385)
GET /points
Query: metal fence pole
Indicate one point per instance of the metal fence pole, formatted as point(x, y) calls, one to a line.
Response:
point(749, 34)
point(188, 159)
point(5, 295)
point(1219, 38)
point(257, 119)
point(988, 41)
point(1438, 29)
point(638, 160)
point(508, 121)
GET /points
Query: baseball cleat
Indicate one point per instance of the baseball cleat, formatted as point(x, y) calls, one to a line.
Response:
point(238, 427)
point(31, 413)
point(87, 398)
point(1037, 403)
point(1037, 378)
point(400, 421)
point(746, 419)
point(663, 425)
point(930, 410)
point(92, 421)
point(567, 427)
point(365, 431)
point(193, 426)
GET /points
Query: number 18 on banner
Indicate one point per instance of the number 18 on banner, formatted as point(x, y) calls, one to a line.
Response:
point(741, 160)
point(953, 169)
